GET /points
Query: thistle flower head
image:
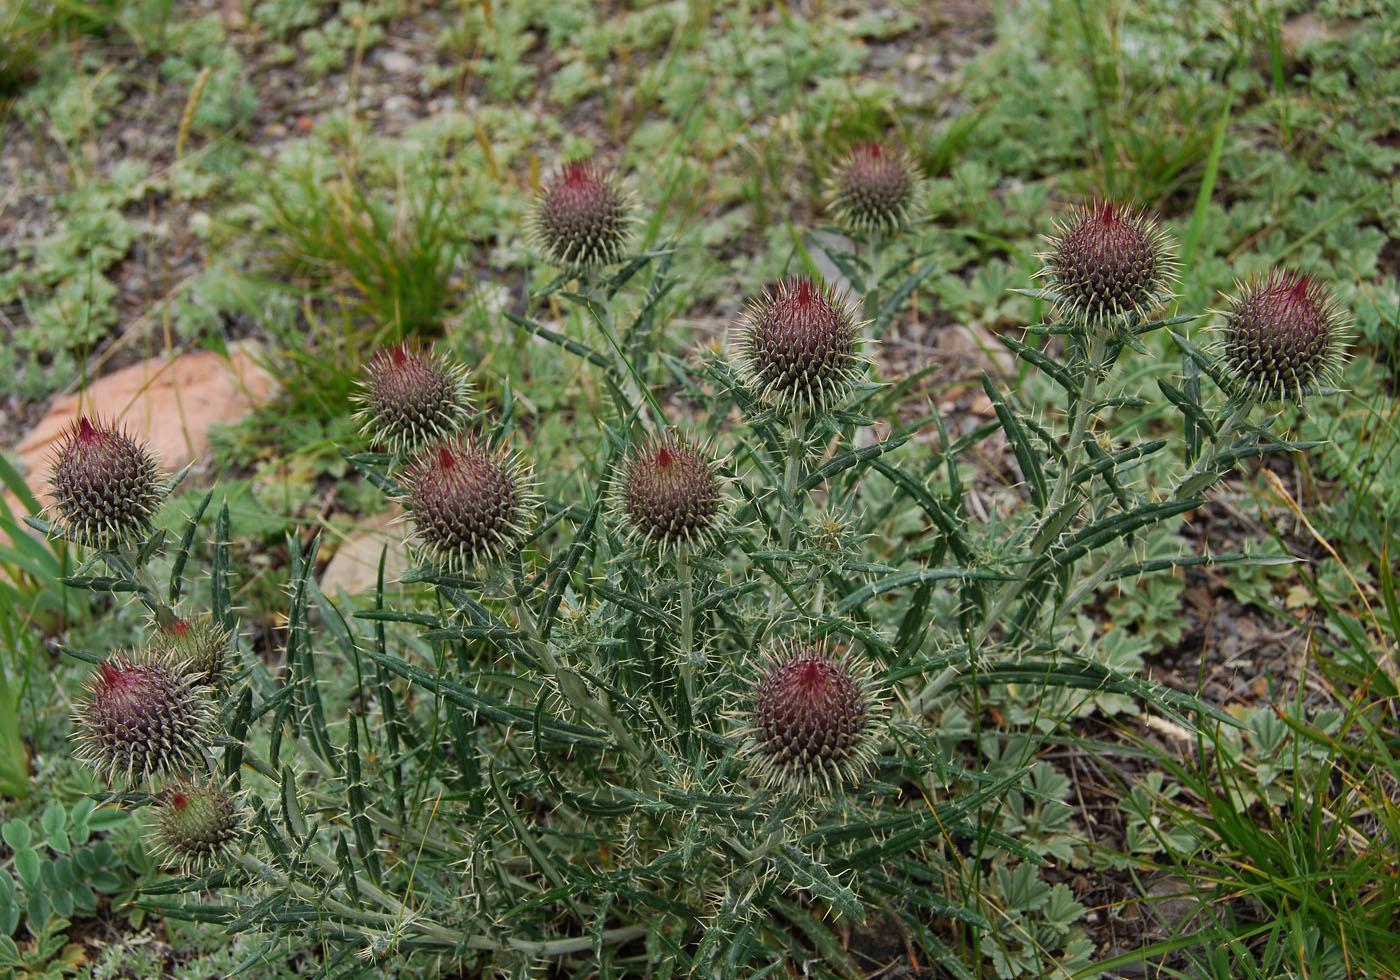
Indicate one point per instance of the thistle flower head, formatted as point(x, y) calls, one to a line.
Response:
point(1283, 336)
point(470, 505)
point(198, 647)
point(810, 718)
point(409, 397)
point(798, 347)
point(1109, 262)
point(581, 218)
point(142, 718)
point(671, 496)
point(872, 190)
point(195, 824)
point(105, 486)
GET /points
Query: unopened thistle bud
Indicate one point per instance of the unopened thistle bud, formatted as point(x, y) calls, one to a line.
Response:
point(1283, 336)
point(105, 486)
point(810, 719)
point(142, 718)
point(872, 190)
point(1109, 262)
point(798, 348)
point(671, 495)
point(410, 397)
point(196, 823)
point(470, 505)
point(199, 647)
point(581, 218)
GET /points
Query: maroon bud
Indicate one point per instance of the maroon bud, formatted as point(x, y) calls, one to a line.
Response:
point(581, 218)
point(671, 495)
point(799, 348)
point(811, 715)
point(872, 190)
point(1282, 336)
point(198, 647)
point(1109, 262)
point(142, 718)
point(410, 397)
point(105, 486)
point(470, 505)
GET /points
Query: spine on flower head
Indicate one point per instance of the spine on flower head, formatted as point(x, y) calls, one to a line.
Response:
point(198, 646)
point(1108, 263)
point(798, 348)
point(470, 505)
point(671, 496)
point(410, 397)
point(810, 719)
point(1283, 337)
point(581, 218)
point(105, 486)
point(872, 190)
point(142, 717)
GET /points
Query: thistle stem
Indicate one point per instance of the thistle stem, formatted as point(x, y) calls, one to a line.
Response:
point(870, 306)
point(687, 660)
point(791, 511)
point(1232, 423)
point(569, 681)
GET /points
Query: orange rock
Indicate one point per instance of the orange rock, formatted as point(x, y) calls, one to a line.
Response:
point(171, 403)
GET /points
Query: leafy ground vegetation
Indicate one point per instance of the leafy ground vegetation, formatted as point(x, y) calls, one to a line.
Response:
point(797, 592)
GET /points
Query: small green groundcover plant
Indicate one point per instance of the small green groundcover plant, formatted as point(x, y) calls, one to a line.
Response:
point(680, 717)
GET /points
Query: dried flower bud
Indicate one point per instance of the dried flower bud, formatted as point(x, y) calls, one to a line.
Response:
point(872, 191)
point(470, 505)
point(799, 347)
point(142, 718)
point(410, 397)
point(195, 824)
point(1283, 336)
point(810, 719)
point(199, 647)
point(1109, 262)
point(105, 486)
point(581, 218)
point(671, 495)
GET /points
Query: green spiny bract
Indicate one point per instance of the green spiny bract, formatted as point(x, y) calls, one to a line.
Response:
point(1282, 337)
point(798, 348)
point(470, 505)
point(410, 397)
point(198, 646)
point(105, 486)
point(1108, 263)
point(872, 191)
point(810, 716)
point(195, 824)
point(671, 496)
point(143, 717)
point(581, 218)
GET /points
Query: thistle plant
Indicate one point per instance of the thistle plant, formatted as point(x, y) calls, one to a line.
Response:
point(581, 218)
point(871, 192)
point(680, 708)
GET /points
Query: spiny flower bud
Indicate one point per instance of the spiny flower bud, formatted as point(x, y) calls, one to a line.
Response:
point(872, 190)
point(810, 718)
point(581, 218)
point(105, 486)
point(470, 505)
point(799, 349)
point(1282, 336)
point(410, 397)
point(671, 495)
point(199, 647)
point(142, 718)
point(1109, 262)
point(195, 824)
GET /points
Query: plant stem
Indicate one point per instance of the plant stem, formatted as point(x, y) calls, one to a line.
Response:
point(627, 375)
point(1232, 422)
point(687, 660)
point(790, 512)
point(569, 681)
point(870, 307)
